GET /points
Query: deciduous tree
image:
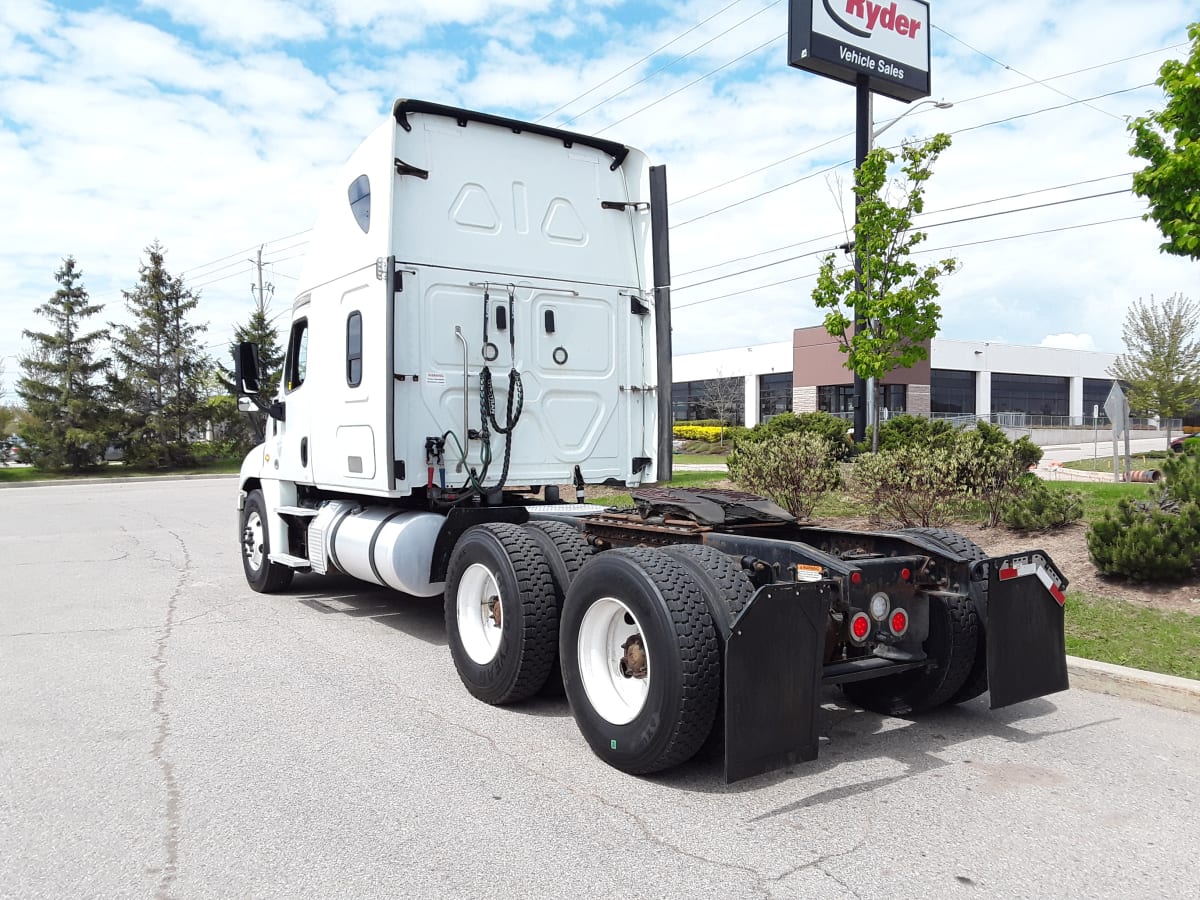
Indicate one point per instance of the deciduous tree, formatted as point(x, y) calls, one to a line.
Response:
point(1169, 141)
point(892, 295)
point(1161, 362)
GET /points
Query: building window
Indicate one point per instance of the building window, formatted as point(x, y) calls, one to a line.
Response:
point(836, 398)
point(774, 394)
point(1032, 395)
point(354, 349)
point(1095, 392)
point(360, 201)
point(952, 392)
point(712, 398)
point(893, 397)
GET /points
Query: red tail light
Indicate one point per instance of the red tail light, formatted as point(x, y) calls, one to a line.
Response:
point(899, 622)
point(860, 627)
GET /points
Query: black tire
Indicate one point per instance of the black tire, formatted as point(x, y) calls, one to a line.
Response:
point(727, 580)
point(977, 680)
point(953, 635)
point(565, 550)
point(262, 575)
point(509, 662)
point(663, 604)
point(731, 589)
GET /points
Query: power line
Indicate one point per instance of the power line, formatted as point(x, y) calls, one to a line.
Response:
point(663, 68)
point(963, 102)
point(1030, 78)
point(850, 161)
point(691, 83)
point(1009, 237)
point(1045, 190)
point(634, 65)
point(1002, 212)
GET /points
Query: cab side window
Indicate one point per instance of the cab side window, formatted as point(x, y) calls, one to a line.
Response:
point(297, 355)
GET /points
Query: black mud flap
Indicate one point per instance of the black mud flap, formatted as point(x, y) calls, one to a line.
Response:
point(1026, 643)
point(772, 675)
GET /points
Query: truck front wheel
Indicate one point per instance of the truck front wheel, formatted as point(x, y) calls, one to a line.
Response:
point(640, 660)
point(262, 575)
point(501, 614)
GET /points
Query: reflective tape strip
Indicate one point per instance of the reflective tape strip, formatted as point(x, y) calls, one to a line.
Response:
point(1043, 577)
point(1054, 589)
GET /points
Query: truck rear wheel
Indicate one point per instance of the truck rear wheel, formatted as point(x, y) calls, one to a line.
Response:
point(730, 589)
point(977, 680)
point(953, 635)
point(566, 550)
point(262, 575)
point(640, 660)
point(501, 617)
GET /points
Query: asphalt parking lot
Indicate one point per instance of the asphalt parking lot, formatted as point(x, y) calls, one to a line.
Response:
point(166, 732)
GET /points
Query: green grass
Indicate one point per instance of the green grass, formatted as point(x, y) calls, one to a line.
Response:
point(620, 496)
point(1151, 460)
point(700, 459)
point(1100, 496)
point(1123, 634)
point(218, 467)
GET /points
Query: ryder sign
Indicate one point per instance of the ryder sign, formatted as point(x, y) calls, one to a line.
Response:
point(888, 42)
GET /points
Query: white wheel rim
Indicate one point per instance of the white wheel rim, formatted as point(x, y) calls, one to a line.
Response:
point(614, 694)
point(252, 540)
point(480, 622)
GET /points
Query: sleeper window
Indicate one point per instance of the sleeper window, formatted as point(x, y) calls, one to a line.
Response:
point(354, 349)
point(360, 201)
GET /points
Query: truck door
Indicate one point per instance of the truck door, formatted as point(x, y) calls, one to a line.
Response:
point(293, 451)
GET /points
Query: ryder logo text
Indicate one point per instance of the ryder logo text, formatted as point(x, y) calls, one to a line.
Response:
point(875, 15)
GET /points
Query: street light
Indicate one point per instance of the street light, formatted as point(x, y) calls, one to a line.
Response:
point(866, 138)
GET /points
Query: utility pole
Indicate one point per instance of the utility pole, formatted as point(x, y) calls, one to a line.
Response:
point(262, 301)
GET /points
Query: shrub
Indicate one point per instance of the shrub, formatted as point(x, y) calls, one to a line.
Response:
point(908, 431)
point(1038, 508)
point(821, 424)
point(1157, 540)
point(910, 485)
point(991, 471)
point(708, 433)
point(1144, 542)
point(795, 470)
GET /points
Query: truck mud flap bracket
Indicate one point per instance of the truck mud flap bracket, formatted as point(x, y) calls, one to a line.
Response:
point(773, 668)
point(1026, 642)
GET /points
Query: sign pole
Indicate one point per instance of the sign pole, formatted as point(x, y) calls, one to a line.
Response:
point(862, 146)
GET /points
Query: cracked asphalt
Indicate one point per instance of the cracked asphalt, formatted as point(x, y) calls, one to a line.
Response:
point(166, 732)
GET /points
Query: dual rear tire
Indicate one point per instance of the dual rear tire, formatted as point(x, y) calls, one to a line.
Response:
point(630, 631)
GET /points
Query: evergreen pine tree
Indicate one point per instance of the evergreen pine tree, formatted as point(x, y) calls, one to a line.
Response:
point(161, 366)
point(65, 425)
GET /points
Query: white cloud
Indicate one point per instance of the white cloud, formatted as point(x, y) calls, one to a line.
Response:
point(245, 23)
point(1068, 341)
point(116, 129)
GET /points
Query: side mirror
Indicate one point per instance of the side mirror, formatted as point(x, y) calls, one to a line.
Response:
point(246, 368)
point(245, 404)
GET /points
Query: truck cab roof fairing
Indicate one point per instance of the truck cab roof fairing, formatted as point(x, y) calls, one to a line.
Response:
point(403, 107)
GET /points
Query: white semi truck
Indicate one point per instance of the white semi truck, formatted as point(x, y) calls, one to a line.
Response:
point(484, 317)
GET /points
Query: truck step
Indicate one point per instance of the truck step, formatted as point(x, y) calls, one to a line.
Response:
point(296, 511)
point(862, 669)
point(286, 559)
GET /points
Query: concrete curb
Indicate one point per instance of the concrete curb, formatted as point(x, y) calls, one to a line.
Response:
point(129, 479)
point(1168, 691)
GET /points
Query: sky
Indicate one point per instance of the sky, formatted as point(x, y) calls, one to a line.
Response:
point(214, 128)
